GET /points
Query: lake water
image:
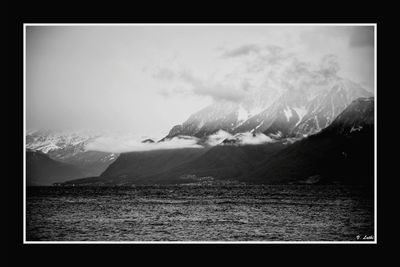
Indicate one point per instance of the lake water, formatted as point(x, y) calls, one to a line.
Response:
point(199, 213)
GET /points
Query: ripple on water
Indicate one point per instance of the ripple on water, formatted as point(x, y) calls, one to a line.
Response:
point(185, 213)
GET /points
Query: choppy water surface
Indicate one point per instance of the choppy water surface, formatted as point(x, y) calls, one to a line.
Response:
point(199, 213)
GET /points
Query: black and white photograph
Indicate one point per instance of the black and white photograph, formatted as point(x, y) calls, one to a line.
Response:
point(199, 133)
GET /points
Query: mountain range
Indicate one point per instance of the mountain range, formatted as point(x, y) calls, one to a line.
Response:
point(64, 149)
point(295, 113)
point(340, 153)
point(322, 134)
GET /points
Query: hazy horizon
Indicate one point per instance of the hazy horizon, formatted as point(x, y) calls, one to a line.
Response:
point(146, 79)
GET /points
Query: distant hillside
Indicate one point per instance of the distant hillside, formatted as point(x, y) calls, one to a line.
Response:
point(70, 148)
point(343, 152)
point(42, 170)
point(137, 167)
point(222, 162)
point(172, 166)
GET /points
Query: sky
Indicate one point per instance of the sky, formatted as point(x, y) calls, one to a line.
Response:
point(144, 79)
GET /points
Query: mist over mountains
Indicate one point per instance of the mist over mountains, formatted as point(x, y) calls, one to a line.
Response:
point(328, 137)
point(281, 109)
point(341, 153)
point(66, 149)
point(293, 114)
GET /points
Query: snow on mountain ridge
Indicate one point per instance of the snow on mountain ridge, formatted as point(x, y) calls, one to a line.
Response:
point(292, 113)
point(301, 112)
point(46, 141)
point(288, 113)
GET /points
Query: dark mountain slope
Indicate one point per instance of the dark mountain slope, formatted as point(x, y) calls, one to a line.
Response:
point(221, 162)
point(42, 170)
point(136, 166)
point(343, 152)
point(170, 166)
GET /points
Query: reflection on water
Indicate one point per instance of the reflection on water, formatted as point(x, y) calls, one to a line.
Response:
point(199, 213)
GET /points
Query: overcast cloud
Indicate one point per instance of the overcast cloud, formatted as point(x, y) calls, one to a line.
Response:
point(146, 79)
